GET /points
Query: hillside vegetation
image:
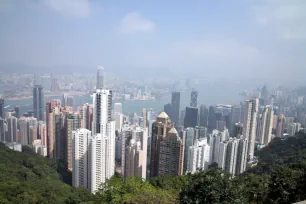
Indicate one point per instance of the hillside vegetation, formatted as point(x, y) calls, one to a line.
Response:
point(279, 177)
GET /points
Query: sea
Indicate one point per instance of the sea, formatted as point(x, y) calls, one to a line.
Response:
point(206, 95)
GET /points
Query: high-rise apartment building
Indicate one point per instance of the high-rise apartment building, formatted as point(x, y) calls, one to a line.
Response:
point(2, 108)
point(160, 128)
point(52, 108)
point(191, 117)
point(2, 130)
point(175, 105)
point(211, 119)
point(101, 158)
point(266, 125)
point(231, 156)
point(27, 130)
point(136, 154)
point(80, 147)
point(198, 156)
point(100, 78)
point(102, 145)
point(189, 135)
point(241, 156)
point(249, 125)
point(86, 112)
point(280, 125)
point(194, 98)
point(171, 154)
point(12, 129)
point(203, 116)
point(73, 122)
point(38, 102)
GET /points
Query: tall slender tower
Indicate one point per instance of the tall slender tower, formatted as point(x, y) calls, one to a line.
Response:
point(160, 128)
point(194, 98)
point(175, 105)
point(266, 125)
point(100, 78)
point(102, 144)
point(1, 108)
point(203, 116)
point(249, 125)
point(38, 101)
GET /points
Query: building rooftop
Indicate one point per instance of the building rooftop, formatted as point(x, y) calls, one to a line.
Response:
point(163, 115)
point(173, 130)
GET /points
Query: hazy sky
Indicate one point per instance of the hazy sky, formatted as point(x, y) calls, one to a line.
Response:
point(218, 38)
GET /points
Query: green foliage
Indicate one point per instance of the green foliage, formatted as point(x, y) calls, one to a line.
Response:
point(29, 178)
point(279, 177)
point(133, 190)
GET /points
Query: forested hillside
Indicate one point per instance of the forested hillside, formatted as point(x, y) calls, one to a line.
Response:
point(279, 177)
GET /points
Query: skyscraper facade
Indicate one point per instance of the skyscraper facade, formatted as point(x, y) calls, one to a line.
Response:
point(198, 156)
point(38, 102)
point(211, 119)
point(160, 128)
point(171, 154)
point(189, 134)
point(194, 98)
point(12, 129)
point(191, 117)
point(73, 122)
point(100, 78)
point(266, 125)
point(203, 116)
point(249, 125)
point(168, 110)
point(2, 108)
point(2, 130)
point(80, 145)
point(175, 105)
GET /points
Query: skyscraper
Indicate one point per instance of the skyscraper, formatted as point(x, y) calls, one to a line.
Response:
point(241, 156)
point(102, 110)
point(100, 78)
point(266, 125)
point(203, 116)
point(189, 134)
point(194, 98)
point(198, 156)
point(12, 129)
point(236, 114)
point(175, 105)
point(249, 125)
point(86, 112)
point(2, 130)
point(212, 119)
point(136, 154)
point(191, 117)
point(2, 108)
point(231, 156)
point(168, 110)
point(38, 101)
point(171, 154)
point(101, 158)
point(102, 145)
point(52, 108)
point(280, 125)
point(160, 128)
point(80, 146)
point(73, 122)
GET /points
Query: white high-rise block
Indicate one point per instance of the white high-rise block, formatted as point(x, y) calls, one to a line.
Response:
point(80, 143)
point(222, 154)
point(266, 125)
point(198, 156)
point(231, 156)
point(249, 125)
